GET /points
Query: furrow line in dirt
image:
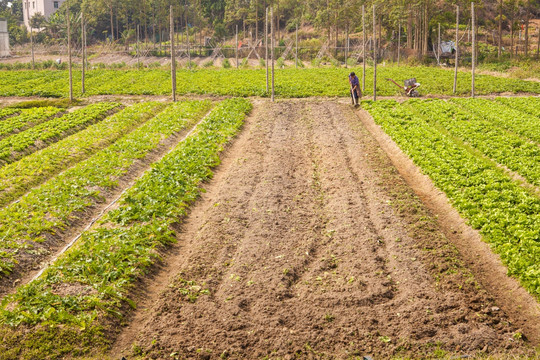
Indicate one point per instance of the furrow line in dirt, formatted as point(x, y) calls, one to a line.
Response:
point(522, 308)
point(95, 212)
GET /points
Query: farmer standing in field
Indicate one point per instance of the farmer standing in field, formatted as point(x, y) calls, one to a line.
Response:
point(356, 93)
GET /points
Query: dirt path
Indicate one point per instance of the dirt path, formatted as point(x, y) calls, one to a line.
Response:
point(309, 244)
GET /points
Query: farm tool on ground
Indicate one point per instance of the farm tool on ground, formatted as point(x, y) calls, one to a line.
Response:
point(410, 87)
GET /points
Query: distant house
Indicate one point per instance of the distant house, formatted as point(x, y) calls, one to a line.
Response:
point(4, 38)
point(46, 7)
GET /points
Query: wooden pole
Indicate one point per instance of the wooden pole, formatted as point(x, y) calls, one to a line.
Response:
point(138, 53)
point(296, 51)
point(473, 30)
point(457, 49)
point(439, 45)
point(31, 32)
point(374, 57)
point(266, 47)
point(272, 46)
point(83, 45)
point(236, 49)
point(173, 56)
point(187, 37)
point(347, 46)
point(364, 49)
point(499, 50)
point(538, 45)
point(399, 43)
point(69, 53)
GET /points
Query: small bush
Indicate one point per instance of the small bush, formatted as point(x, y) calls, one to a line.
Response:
point(262, 63)
point(208, 64)
point(281, 63)
point(226, 64)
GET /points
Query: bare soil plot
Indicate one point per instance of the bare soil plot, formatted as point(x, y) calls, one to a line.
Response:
point(308, 243)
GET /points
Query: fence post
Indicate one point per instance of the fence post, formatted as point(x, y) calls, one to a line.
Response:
point(272, 46)
point(173, 56)
point(364, 49)
point(83, 46)
point(296, 52)
point(138, 53)
point(347, 47)
point(473, 47)
point(236, 49)
point(439, 46)
point(69, 53)
point(457, 49)
point(266, 47)
point(399, 43)
point(374, 57)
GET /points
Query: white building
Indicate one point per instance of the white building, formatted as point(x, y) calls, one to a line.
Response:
point(4, 38)
point(46, 7)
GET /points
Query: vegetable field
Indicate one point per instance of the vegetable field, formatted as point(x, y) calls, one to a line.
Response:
point(318, 235)
point(486, 158)
point(290, 83)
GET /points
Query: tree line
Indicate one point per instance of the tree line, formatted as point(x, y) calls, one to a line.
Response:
point(116, 20)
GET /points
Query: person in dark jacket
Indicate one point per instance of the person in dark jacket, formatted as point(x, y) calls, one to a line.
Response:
point(356, 93)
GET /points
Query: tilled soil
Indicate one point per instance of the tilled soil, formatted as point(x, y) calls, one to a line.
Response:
point(309, 244)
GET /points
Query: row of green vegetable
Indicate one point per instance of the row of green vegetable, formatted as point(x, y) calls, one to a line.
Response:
point(34, 169)
point(61, 200)
point(27, 118)
point(508, 113)
point(529, 105)
point(6, 112)
point(104, 264)
point(14, 147)
point(507, 214)
point(504, 147)
point(252, 82)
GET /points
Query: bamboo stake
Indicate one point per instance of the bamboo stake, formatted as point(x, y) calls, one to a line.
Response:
point(31, 32)
point(374, 57)
point(296, 52)
point(272, 46)
point(69, 53)
point(138, 53)
point(457, 49)
point(173, 56)
point(187, 37)
point(236, 49)
point(83, 45)
point(266, 47)
point(364, 49)
point(347, 47)
point(538, 45)
point(439, 46)
point(399, 43)
point(473, 30)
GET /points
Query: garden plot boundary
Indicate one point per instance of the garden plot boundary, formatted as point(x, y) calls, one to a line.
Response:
point(478, 256)
point(9, 283)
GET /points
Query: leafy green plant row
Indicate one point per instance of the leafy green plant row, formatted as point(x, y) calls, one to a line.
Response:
point(18, 145)
point(505, 148)
point(251, 82)
point(55, 204)
point(27, 118)
point(4, 113)
point(529, 105)
point(506, 214)
point(107, 260)
point(34, 169)
point(507, 116)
